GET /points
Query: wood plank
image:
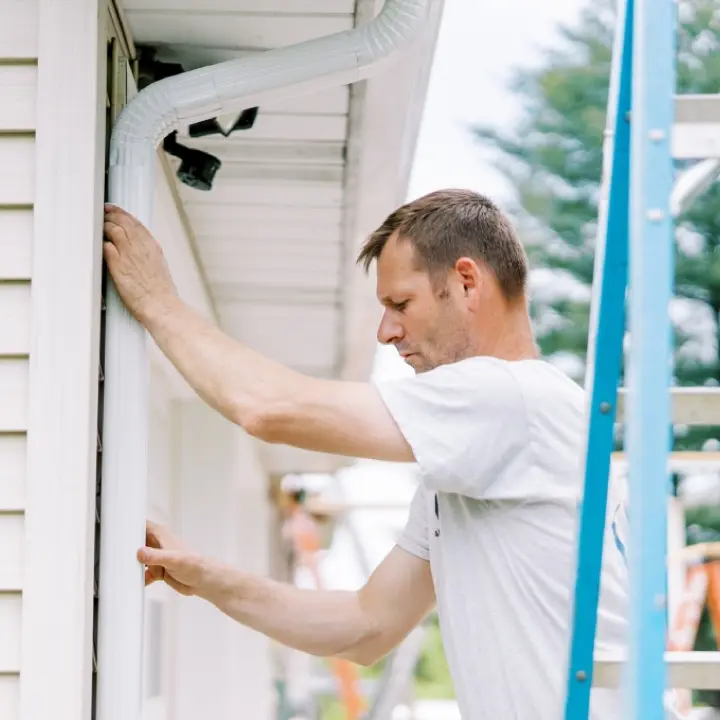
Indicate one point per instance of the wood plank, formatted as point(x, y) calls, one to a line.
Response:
point(297, 127)
point(16, 233)
point(18, 29)
point(238, 149)
point(265, 7)
point(231, 29)
point(13, 467)
point(14, 394)
point(208, 215)
point(297, 266)
point(12, 528)
point(15, 318)
point(18, 93)
point(10, 696)
point(698, 670)
point(257, 172)
point(211, 233)
point(271, 195)
point(690, 405)
point(10, 609)
point(17, 169)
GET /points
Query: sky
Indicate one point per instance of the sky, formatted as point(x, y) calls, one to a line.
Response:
point(480, 45)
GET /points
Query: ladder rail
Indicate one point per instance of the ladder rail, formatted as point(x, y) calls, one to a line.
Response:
point(607, 325)
point(651, 351)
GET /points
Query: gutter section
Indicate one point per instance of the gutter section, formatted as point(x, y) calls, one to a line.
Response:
point(154, 113)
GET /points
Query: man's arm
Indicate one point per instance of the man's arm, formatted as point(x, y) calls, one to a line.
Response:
point(268, 400)
point(359, 626)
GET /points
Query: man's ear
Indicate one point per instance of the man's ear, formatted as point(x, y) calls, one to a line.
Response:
point(469, 274)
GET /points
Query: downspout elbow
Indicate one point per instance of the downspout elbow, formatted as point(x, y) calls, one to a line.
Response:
point(231, 86)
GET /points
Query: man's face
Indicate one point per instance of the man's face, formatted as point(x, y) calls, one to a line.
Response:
point(428, 322)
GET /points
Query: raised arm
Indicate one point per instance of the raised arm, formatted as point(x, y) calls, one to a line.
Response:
point(360, 626)
point(268, 400)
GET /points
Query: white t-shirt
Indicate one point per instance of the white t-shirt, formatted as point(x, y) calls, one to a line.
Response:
point(499, 448)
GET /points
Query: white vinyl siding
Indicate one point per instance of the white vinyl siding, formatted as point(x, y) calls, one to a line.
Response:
point(18, 93)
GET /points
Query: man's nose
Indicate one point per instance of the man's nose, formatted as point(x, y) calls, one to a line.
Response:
point(389, 331)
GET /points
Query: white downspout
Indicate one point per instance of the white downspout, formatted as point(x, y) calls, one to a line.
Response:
point(158, 110)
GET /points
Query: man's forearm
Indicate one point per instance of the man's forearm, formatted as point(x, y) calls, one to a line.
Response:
point(319, 622)
point(233, 379)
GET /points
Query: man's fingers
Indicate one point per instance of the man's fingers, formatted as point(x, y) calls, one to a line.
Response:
point(155, 556)
point(153, 574)
point(115, 234)
point(177, 586)
point(118, 216)
point(160, 565)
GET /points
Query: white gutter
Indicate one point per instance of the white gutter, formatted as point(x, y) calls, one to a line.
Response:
point(157, 111)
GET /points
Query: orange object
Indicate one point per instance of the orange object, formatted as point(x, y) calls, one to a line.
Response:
point(303, 534)
point(702, 588)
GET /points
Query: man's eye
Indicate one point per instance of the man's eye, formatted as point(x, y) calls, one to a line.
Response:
point(400, 307)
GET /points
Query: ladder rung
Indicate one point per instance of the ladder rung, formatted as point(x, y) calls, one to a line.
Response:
point(681, 461)
point(697, 108)
point(689, 670)
point(690, 405)
point(696, 131)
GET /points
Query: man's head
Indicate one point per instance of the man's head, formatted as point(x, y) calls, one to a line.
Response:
point(451, 275)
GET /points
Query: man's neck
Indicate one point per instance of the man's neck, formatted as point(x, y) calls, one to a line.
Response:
point(514, 337)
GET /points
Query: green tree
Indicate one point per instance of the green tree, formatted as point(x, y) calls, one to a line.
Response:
point(553, 157)
point(553, 160)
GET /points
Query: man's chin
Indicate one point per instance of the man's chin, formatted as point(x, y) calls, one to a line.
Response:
point(416, 362)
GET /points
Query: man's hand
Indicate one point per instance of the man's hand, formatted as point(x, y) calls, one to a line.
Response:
point(137, 264)
point(166, 559)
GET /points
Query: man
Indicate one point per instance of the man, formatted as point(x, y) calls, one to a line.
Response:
point(496, 433)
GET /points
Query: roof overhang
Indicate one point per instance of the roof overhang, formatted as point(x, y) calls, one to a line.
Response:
point(277, 235)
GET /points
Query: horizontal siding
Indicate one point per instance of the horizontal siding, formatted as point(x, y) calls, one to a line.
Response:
point(17, 169)
point(18, 92)
point(16, 232)
point(18, 29)
point(14, 318)
point(11, 541)
point(14, 392)
point(13, 448)
point(9, 632)
point(10, 696)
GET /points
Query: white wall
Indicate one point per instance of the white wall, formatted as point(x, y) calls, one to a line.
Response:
point(222, 670)
point(18, 91)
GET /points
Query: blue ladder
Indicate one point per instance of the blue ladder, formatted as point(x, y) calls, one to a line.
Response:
point(635, 225)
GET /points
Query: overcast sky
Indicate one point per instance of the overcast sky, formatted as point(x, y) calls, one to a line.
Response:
point(480, 45)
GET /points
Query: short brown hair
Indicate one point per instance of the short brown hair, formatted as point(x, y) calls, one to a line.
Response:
point(446, 225)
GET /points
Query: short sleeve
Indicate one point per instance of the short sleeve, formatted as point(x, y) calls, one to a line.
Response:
point(465, 422)
point(414, 538)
